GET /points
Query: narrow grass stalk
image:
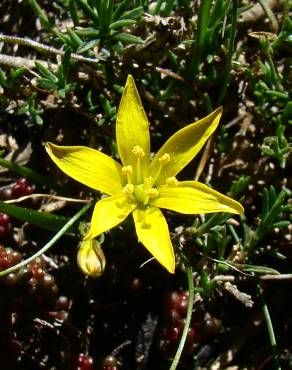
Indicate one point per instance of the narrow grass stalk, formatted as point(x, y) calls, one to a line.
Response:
point(203, 19)
point(49, 244)
point(179, 351)
point(229, 52)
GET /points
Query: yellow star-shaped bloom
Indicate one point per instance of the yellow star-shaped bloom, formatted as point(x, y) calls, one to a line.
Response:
point(141, 185)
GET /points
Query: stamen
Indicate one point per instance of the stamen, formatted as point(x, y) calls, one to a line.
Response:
point(171, 181)
point(128, 189)
point(128, 171)
point(164, 159)
point(138, 151)
point(153, 193)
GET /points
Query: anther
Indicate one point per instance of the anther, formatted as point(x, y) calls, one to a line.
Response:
point(128, 189)
point(164, 159)
point(171, 181)
point(138, 151)
point(153, 193)
point(127, 170)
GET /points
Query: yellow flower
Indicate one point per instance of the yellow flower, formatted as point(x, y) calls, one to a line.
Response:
point(141, 185)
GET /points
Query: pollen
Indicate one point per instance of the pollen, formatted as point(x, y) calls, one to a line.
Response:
point(164, 159)
point(128, 189)
point(153, 193)
point(171, 181)
point(138, 151)
point(127, 170)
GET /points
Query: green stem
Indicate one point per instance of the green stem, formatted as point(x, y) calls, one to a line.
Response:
point(179, 351)
point(270, 329)
point(49, 244)
point(230, 51)
point(233, 233)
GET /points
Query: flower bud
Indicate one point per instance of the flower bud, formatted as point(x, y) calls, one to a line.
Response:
point(90, 258)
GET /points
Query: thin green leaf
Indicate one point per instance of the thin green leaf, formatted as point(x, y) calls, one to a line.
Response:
point(45, 72)
point(259, 269)
point(31, 174)
point(121, 23)
point(89, 11)
point(281, 224)
point(76, 39)
point(40, 13)
point(41, 219)
point(87, 45)
point(133, 13)
point(265, 203)
point(120, 9)
point(16, 73)
point(127, 38)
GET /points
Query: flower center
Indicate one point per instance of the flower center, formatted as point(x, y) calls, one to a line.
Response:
point(141, 193)
point(141, 190)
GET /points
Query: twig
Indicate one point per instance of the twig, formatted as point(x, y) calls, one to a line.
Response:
point(169, 73)
point(267, 277)
point(235, 121)
point(45, 48)
point(18, 62)
point(50, 196)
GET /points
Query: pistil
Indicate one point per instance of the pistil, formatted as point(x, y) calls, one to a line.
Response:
point(128, 189)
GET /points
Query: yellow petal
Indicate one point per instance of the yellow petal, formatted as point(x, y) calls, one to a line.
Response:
point(183, 146)
point(88, 166)
point(191, 197)
point(132, 128)
point(108, 213)
point(152, 231)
